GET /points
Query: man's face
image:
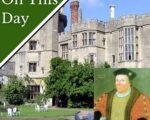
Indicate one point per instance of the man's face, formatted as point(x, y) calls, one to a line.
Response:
point(122, 83)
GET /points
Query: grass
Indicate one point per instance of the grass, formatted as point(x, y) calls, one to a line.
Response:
point(57, 113)
point(27, 111)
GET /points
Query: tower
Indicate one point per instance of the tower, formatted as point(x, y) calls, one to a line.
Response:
point(74, 5)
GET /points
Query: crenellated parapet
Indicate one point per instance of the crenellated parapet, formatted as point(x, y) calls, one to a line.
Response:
point(64, 36)
point(129, 20)
point(88, 25)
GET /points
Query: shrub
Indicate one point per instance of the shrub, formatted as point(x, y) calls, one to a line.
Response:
point(15, 91)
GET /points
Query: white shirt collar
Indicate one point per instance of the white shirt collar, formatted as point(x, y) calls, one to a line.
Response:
point(123, 94)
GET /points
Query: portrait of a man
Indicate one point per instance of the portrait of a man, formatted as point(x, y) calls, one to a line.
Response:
point(124, 102)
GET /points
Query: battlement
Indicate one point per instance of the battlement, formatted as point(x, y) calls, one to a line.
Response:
point(88, 25)
point(64, 36)
point(129, 20)
point(96, 21)
point(130, 16)
point(134, 16)
point(143, 16)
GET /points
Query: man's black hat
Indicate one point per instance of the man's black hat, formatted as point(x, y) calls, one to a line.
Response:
point(125, 71)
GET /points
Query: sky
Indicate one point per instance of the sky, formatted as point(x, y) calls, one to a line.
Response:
point(99, 9)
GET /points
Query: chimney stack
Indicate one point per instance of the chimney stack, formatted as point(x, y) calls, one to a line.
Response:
point(112, 11)
point(74, 5)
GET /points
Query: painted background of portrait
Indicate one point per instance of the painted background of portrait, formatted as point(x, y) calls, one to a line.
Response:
point(105, 80)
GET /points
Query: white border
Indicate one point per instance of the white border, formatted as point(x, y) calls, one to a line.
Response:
point(33, 32)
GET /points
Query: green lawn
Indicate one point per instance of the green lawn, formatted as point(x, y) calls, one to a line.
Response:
point(61, 113)
point(29, 112)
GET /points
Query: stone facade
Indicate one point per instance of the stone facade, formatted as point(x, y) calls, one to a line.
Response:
point(33, 59)
point(88, 48)
point(122, 42)
point(106, 46)
point(138, 28)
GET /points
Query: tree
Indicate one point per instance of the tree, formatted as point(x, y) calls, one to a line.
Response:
point(71, 82)
point(15, 91)
point(56, 82)
point(81, 81)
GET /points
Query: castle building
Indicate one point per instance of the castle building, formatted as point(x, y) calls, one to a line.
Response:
point(34, 57)
point(122, 42)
